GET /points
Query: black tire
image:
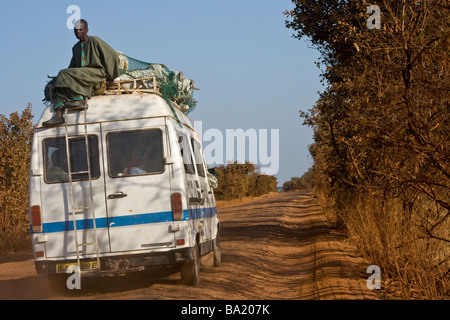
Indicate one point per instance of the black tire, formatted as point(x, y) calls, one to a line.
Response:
point(190, 269)
point(217, 253)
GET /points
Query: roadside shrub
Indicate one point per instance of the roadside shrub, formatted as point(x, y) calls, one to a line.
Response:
point(381, 134)
point(237, 181)
point(305, 182)
point(15, 147)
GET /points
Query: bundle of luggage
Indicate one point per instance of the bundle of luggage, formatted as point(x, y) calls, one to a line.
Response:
point(140, 76)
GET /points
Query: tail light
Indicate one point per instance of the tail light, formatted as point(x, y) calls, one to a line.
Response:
point(36, 219)
point(177, 206)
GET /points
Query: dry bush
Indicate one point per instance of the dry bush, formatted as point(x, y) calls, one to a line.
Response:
point(305, 182)
point(381, 128)
point(237, 181)
point(15, 147)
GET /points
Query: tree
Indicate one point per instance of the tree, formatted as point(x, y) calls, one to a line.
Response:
point(15, 146)
point(383, 122)
point(381, 127)
point(237, 181)
point(305, 182)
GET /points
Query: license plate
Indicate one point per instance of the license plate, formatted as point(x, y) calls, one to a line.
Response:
point(85, 266)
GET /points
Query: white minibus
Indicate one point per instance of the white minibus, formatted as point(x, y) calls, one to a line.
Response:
point(121, 187)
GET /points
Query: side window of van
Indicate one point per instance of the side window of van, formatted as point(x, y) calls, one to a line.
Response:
point(55, 159)
point(186, 153)
point(198, 158)
point(133, 153)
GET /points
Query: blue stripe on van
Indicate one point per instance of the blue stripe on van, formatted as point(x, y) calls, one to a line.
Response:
point(202, 213)
point(130, 220)
point(140, 219)
point(68, 225)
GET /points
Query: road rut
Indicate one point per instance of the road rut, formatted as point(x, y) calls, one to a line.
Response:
point(278, 247)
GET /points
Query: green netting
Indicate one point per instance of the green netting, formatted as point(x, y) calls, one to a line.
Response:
point(133, 64)
point(172, 85)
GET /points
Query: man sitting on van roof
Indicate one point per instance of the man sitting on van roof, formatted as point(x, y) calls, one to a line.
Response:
point(93, 62)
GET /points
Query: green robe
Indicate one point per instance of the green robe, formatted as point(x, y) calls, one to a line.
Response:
point(93, 62)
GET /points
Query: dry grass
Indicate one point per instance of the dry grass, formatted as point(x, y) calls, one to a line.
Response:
point(414, 264)
point(12, 241)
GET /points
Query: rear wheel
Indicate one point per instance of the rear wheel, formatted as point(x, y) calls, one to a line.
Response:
point(217, 253)
point(190, 269)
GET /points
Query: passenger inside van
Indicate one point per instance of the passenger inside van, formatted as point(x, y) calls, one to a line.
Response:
point(135, 153)
point(136, 165)
point(58, 171)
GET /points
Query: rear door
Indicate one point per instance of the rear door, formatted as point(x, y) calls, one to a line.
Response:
point(137, 185)
point(57, 195)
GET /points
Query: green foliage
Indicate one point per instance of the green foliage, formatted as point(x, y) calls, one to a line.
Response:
point(237, 181)
point(169, 87)
point(15, 147)
point(171, 84)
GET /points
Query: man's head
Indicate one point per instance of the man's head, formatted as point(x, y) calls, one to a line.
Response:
point(81, 29)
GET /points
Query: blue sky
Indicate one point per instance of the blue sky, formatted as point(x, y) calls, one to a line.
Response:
point(251, 72)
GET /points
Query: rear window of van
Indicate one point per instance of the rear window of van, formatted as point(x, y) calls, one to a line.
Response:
point(134, 153)
point(56, 164)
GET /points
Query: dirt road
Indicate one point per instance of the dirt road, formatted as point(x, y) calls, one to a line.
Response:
point(278, 247)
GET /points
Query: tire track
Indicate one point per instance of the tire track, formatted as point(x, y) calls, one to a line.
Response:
point(274, 248)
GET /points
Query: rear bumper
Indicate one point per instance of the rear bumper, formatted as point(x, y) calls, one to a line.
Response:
point(125, 263)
